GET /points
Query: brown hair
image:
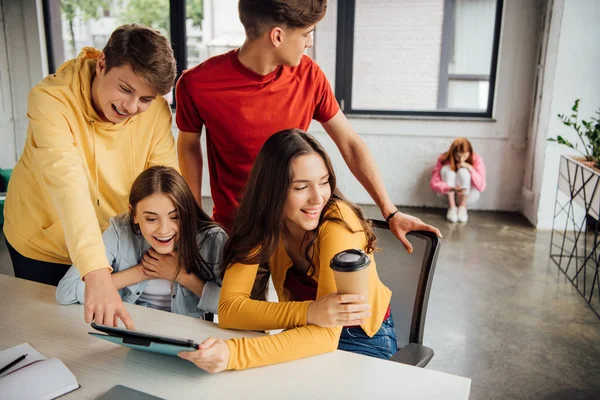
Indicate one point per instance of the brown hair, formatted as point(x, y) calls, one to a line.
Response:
point(258, 225)
point(147, 52)
point(459, 145)
point(192, 220)
point(259, 16)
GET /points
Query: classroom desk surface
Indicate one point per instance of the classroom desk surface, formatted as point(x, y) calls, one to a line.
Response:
point(29, 313)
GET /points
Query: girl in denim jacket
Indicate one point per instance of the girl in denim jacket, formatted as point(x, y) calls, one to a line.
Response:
point(165, 252)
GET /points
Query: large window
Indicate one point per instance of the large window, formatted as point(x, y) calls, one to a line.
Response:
point(417, 57)
point(198, 29)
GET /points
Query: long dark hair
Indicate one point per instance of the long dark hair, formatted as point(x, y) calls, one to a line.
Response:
point(192, 220)
point(459, 145)
point(259, 222)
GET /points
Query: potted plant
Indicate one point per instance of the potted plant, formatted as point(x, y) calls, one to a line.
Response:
point(588, 133)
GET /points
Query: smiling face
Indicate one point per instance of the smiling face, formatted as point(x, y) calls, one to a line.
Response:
point(307, 195)
point(295, 41)
point(119, 93)
point(158, 220)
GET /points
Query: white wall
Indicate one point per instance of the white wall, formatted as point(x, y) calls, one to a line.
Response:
point(7, 150)
point(22, 64)
point(400, 39)
point(406, 148)
point(571, 70)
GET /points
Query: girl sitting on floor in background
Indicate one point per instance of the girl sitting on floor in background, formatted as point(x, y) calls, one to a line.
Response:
point(165, 252)
point(459, 176)
point(293, 220)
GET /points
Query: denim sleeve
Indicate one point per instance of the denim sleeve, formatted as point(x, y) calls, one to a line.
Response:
point(71, 288)
point(212, 253)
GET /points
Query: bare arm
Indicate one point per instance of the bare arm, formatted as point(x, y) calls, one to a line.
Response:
point(362, 165)
point(191, 282)
point(129, 276)
point(189, 153)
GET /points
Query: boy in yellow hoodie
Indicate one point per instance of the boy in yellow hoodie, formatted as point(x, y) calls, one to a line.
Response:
point(94, 125)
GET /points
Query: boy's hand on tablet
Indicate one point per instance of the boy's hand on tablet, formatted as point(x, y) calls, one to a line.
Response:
point(102, 301)
point(212, 356)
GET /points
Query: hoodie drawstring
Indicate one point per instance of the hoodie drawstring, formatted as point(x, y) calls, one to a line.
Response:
point(95, 161)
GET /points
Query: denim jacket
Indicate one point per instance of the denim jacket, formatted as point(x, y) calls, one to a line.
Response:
point(124, 249)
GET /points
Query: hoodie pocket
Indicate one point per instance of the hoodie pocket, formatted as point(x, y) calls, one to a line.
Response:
point(51, 241)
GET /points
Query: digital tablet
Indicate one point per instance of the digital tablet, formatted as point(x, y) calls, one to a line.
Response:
point(143, 340)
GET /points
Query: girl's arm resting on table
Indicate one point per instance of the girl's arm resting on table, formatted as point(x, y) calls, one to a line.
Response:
point(129, 276)
point(216, 355)
point(289, 345)
point(207, 292)
point(238, 311)
point(71, 288)
point(212, 251)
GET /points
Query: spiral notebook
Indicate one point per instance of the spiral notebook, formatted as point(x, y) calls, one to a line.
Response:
point(35, 377)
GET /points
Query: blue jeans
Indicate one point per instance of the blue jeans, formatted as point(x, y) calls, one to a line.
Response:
point(382, 345)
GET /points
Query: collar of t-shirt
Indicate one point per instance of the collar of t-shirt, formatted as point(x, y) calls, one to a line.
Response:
point(248, 73)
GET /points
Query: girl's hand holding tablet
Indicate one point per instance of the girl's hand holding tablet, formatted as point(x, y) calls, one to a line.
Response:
point(212, 355)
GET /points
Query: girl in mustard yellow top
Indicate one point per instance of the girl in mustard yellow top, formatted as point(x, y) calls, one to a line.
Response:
point(293, 220)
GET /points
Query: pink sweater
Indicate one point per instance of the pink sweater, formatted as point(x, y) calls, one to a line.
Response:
point(477, 176)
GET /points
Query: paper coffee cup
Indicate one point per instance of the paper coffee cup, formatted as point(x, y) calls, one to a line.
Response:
point(351, 273)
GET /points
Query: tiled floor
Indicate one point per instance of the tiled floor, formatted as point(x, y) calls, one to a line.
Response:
point(501, 313)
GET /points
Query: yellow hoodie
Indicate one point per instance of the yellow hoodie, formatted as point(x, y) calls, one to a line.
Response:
point(76, 170)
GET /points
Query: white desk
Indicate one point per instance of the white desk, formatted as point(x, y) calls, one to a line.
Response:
point(29, 313)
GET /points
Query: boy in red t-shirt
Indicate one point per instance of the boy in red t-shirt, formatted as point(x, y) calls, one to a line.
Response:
point(244, 96)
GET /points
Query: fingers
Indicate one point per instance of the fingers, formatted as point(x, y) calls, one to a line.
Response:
point(88, 313)
point(355, 308)
point(208, 343)
point(153, 254)
point(405, 242)
point(125, 317)
point(349, 298)
point(433, 229)
point(150, 273)
point(214, 358)
point(149, 262)
point(109, 317)
point(186, 355)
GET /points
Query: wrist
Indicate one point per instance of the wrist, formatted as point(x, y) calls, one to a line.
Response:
point(309, 313)
point(183, 277)
point(97, 275)
point(391, 215)
point(139, 269)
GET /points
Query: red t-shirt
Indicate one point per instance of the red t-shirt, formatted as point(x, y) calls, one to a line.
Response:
point(240, 110)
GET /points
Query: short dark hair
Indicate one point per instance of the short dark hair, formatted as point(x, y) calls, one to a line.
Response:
point(147, 52)
point(258, 16)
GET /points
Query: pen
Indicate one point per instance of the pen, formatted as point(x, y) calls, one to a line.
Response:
point(15, 362)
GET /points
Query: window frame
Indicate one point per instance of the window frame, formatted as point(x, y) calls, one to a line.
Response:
point(177, 15)
point(346, 14)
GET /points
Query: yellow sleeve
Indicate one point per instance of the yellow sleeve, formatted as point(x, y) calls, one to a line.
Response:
point(163, 152)
point(238, 311)
point(63, 174)
point(307, 340)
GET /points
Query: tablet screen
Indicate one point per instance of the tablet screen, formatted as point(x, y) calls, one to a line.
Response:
point(129, 334)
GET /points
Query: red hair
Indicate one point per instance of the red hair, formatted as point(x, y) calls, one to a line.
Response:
point(460, 145)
